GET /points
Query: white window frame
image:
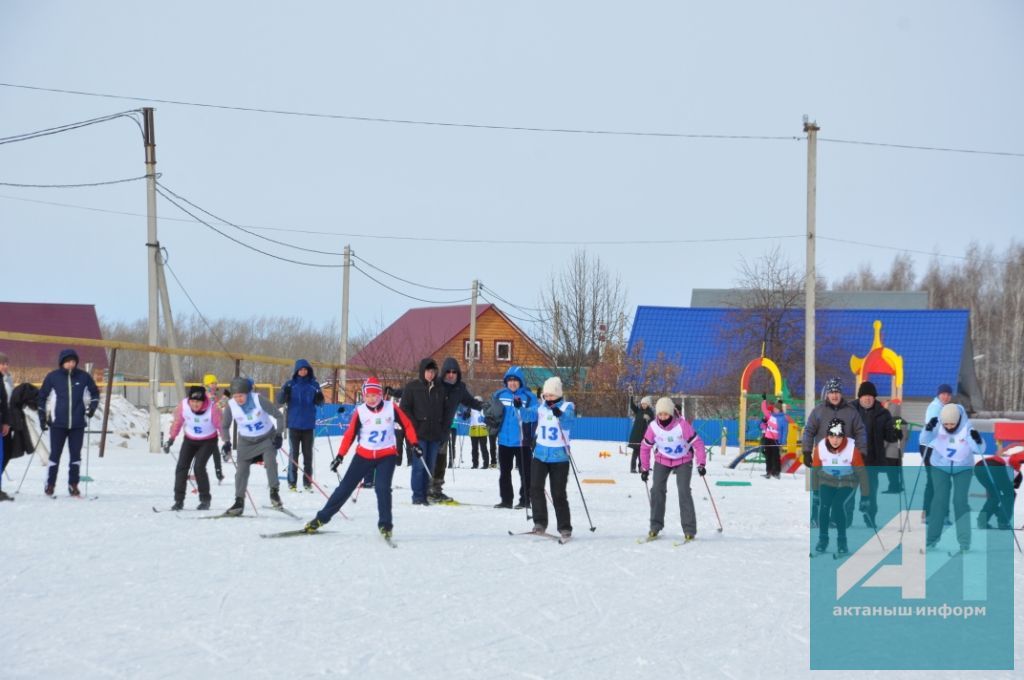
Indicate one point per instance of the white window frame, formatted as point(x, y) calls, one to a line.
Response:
point(497, 353)
point(465, 350)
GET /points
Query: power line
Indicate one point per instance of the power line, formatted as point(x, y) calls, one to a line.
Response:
point(508, 313)
point(177, 205)
point(243, 229)
point(922, 148)
point(521, 308)
point(905, 250)
point(406, 121)
point(216, 336)
point(399, 278)
point(67, 127)
point(411, 297)
point(77, 186)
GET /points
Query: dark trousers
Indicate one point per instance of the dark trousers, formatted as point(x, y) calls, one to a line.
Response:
point(300, 439)
point(874, 473)
point(895, 474)
point(198, 450)
point(423, 469)
point(833, 502)
point(948, 485)
point(492, 446)
point(559, 473)
point(74, 438)
point(399, 446)
point(1000, 492)
point(479, 450)
point(772, 458)
point(453, 436)
point(383, 469)
point(520, 457)
point(634, 456)
point(929, 489)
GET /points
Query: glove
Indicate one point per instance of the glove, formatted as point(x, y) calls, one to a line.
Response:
point(557, 411)
point(42, 422)
point(318, 399)
point(286, 394)
point(644, 474)
point(898, 423)
point(89, 412)
point(168, 444)
point(416, 450)
point(517, 402)
point(931, 424)
point(808, 461)
point(701, 470)
point(976, 436)
point(336, 463)
point(764, 397)
point(864, 505)
point(277, 441)
point(226, 451)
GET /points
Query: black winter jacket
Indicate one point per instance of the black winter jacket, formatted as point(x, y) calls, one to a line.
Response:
point(642, 417)
point(878, 423)
point(424, 403)
point(456, 394)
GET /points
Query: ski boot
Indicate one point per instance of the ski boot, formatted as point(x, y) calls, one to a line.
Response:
point(236, 509)
point(983, 520)
point(204, 504)
point(48, 490)
point(565, 534)
point(292, 487)
point(822, 545)
point(385, 532)
point(521, 505)
point(312, 526)
point(841, 548)
point(539, 528)
point(652, 534)
point(178, 505)
point(5, 497)
point(73, 490)
point(275, 498)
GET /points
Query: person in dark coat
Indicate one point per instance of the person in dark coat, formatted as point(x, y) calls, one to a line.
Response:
point(300, 396)
point(880, 428)
point(456, 394)
point(5, 423)
point(70, 396)
point(423, 400)
point(642, 417)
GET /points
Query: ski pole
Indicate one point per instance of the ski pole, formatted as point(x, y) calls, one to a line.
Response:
point(25, 474)
point(359, 487)
point(712, 497)
point(304, 473)
point(910, 502)
point(572, 463)
point(648, 489)
point(247, 494)
point(522, 466)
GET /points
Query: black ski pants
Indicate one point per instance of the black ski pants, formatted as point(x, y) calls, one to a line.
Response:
point(559, 473)
point(198, 450)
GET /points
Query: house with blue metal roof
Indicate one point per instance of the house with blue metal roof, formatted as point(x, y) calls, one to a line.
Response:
point(709, 343)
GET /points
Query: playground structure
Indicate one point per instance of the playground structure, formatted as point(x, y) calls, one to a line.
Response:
point(880, 360)
point(790, 460)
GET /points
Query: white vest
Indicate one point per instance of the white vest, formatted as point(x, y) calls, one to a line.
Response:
point(952, 448)
point(549, 430)
point(476, 418)
point(376, 430)
point(837, 463)
point(254, 424)
point(197, 425)
point(671, 443)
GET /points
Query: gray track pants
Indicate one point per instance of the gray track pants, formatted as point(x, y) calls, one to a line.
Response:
point(687, 515)
point(249, 451)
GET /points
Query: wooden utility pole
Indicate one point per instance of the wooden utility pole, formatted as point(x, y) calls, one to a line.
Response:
point(152, 253)
point(472, 329)
point(172, 337)
point(346, 267)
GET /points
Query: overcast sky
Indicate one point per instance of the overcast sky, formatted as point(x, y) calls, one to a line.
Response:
point(945, 74)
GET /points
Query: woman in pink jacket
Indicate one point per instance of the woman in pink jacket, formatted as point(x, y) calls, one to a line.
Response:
point(770, 439)
point(675, 444)
point(199, 419)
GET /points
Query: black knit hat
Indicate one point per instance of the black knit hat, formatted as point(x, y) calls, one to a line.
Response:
point(867, 388)
point(197, 392)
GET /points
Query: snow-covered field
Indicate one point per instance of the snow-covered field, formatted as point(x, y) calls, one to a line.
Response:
point(107, 588)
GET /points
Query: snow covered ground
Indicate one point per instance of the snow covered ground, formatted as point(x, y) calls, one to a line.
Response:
point(109, 589)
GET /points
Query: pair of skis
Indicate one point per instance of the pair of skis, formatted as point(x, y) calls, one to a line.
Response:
point(562, 540)
point(675, 544)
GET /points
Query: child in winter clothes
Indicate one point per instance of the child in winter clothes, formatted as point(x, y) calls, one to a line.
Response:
point(374, 423)
point(1000, 475)
point(513, 447)
point(770, 439)
point(838, 469)
point(675, 444)
point(478, 436)
point(199, 418)
point(555, 417)
point(953, 446)
point(260, 424)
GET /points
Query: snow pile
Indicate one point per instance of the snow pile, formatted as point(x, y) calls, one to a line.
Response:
point(126, 420)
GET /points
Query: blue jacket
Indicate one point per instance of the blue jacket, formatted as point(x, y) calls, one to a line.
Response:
point(301, 396)
point(557, 454)
point(511, 433)
point(70, 393)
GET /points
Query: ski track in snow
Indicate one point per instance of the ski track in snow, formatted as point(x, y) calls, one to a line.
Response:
point(110, 589)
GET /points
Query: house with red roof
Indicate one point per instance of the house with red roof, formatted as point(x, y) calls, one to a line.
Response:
point(31, 361)
point(439, 332)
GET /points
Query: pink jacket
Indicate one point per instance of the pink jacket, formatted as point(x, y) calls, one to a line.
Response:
point(770, 426)
point(696, 445)
point(179, 420)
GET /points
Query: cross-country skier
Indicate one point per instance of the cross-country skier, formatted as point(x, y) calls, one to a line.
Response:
point(555, 417)
point(70, 396)
point(954, 444)
point(260, 424)
point(373, 428)
point(837, 469)
point(199, 419)
point(675, 444)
